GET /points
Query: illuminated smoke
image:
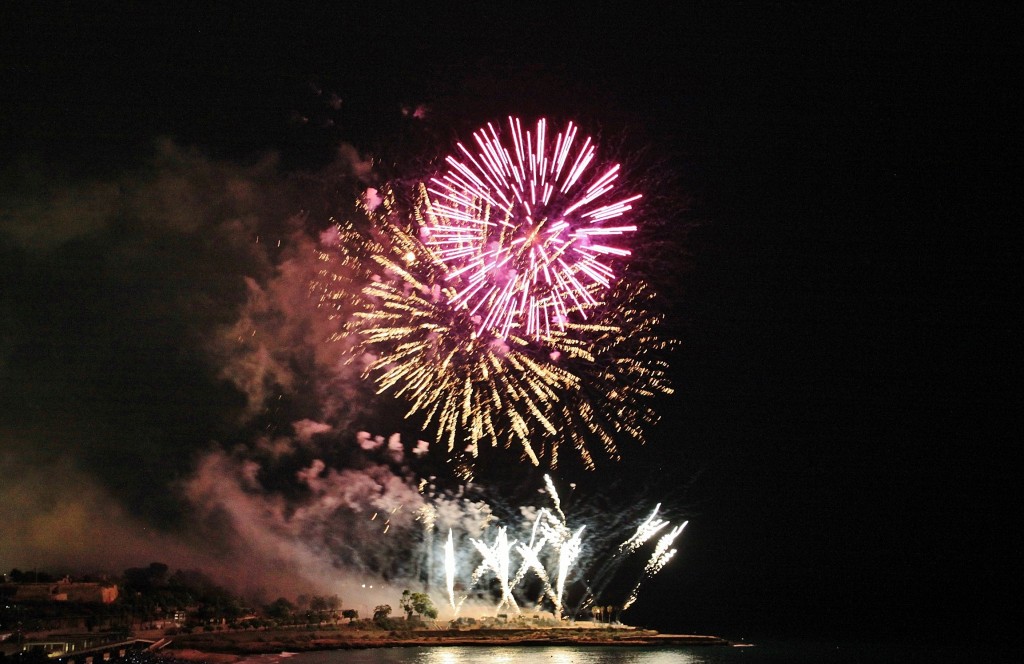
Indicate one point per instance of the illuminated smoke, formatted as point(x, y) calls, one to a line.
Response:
point(177, 313)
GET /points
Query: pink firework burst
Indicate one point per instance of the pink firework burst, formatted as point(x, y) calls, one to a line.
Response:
point(525, 226)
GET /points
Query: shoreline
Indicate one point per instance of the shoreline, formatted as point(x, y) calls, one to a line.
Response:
point(219, 649)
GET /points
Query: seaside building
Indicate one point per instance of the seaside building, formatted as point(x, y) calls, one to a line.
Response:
point(60, 591)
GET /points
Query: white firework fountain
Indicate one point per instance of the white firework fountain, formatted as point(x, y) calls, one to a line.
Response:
point(553, 550)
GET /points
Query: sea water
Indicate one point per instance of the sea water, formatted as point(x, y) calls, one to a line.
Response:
point(764, 653)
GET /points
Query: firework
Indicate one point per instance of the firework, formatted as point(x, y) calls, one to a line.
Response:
point(645, 531)
point(427, 354)
point(449, 568)
point(659, 558)
point(525, 226)
point(556, 551)
point(565, 366)
point(496, 560)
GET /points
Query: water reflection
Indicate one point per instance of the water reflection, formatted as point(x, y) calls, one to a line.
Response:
point(512, 655)
point(813, 652)
point(557, 655)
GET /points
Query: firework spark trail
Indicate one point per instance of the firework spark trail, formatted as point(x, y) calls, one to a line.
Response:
point(659, 558)
point(568, 553)
point(496, 560)
point(554, 496)
point(530, 555)
point(473, 390)
point(449, 570)
point(567, 544)
point(661, 553)
point(556, 533)
point(645, 531)
point(523, 233)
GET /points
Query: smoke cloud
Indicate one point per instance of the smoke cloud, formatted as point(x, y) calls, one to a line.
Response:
point(168, 390)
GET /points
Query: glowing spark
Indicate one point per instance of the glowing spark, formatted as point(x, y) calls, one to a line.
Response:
point(554, 495)
point(662, 554)
point(568, 552)
point(552, 553)
point(518, 227)
point(645, 531)
point(496, 560)
point(531, 562)
point(441, 334)
point(449, 570)
point(659, 558)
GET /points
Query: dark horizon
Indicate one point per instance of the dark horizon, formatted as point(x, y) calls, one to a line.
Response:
point(840, 282)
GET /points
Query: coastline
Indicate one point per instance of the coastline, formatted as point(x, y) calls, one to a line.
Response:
point(223, 649)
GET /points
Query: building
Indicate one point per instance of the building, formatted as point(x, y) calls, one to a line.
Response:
point(62, 591)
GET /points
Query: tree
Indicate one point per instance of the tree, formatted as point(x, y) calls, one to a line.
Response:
point(419, 603)
point(146, 578)
point(381, 612)
point(280, 608)
point(406, 603)
point(157, 573)
point(351, 614)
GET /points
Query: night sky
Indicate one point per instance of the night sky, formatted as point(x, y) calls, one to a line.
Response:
point(837, 270)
